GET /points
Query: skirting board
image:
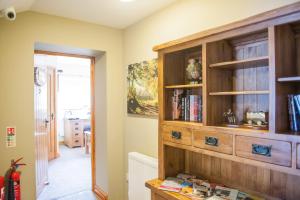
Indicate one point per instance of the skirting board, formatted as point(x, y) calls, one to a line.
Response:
point(100, 193)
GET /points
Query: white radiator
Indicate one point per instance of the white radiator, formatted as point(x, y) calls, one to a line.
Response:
point(141, 168)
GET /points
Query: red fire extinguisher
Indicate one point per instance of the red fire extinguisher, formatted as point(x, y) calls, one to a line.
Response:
point(15, 176)
point(1, 187)
point(12, 187)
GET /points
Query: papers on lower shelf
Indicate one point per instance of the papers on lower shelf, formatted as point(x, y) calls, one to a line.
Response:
point(200, 189)
point(171, 184)
point(226, 193)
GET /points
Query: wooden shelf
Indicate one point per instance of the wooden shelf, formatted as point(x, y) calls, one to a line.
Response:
point(293, 133)
point(239, 93)
point(181, 123)
point(289, 79)
point(183, 86)
point(244, 126)
point(262, 61)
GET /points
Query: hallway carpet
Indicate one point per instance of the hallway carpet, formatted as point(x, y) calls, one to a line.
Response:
point(69, 176)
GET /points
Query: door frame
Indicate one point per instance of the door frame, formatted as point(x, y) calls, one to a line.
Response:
point(92, 121)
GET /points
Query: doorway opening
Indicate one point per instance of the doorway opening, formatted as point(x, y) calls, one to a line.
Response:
point(64, 113)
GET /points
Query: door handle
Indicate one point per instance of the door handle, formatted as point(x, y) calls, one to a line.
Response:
point(46, 123)
point(52, 116)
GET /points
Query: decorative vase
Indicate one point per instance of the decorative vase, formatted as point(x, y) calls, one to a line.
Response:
point(193, 71)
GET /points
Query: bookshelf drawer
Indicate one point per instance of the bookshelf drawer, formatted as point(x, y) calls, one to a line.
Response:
point(265, 150)
point(77, 142)
point(75, 123)
point(76, 134)
point(179, 135)
point(77, 128)
point(213, 140)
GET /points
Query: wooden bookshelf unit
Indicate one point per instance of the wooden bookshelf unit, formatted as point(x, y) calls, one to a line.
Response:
point(247, 66)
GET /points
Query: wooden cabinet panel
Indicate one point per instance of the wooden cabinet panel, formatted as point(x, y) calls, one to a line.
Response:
point(265, 150)
point(179, 135)
point(298, 155)
point(157, 197)
point(76, 134)
point(213, 140)
point(77, 129)
point(77, 142)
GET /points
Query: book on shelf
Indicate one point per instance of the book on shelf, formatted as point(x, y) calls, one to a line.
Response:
point(186, 106)
point(294, 111)
point(177, 104)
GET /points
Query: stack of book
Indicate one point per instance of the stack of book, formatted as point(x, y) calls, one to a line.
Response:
point(294, 112)
point(186, 106)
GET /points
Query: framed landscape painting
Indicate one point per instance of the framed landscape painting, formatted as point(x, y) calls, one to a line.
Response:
point(142, 96)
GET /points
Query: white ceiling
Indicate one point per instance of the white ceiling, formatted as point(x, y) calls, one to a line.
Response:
point(113, 13)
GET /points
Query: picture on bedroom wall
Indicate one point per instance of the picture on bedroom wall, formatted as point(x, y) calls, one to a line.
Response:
point(142, 97)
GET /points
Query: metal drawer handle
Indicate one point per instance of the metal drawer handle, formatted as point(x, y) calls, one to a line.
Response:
point(76, 129)
point(211, 141)
point(76, 134)
point(176, 135)
point(76, 123)
point(262, 150)
point(76, 140)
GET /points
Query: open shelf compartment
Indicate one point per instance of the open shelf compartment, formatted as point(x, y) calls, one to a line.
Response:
point(287, 71)
point(260, 61)
point(237, 77)
point(178, 107)
point(213, 169)
point(183, 86)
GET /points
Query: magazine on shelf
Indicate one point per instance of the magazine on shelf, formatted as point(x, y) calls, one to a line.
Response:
point(227, 193)
point(245, 196)
point(172, 185)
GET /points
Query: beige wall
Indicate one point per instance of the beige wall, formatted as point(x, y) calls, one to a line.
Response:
point(101, 121)
point(16, 88)
point(178, 20)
